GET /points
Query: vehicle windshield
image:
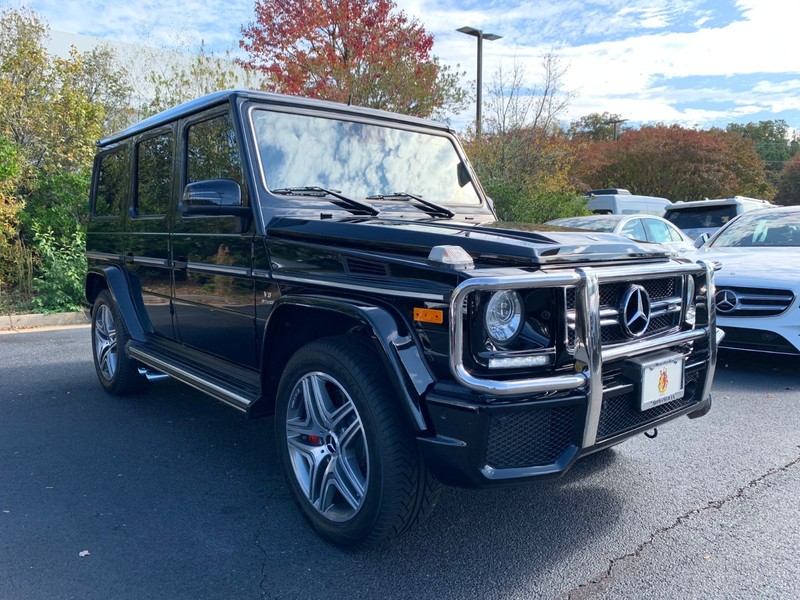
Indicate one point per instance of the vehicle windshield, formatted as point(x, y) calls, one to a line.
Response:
point(701, 216)
point(760, 229)
point(359, 159)
point(592, 224)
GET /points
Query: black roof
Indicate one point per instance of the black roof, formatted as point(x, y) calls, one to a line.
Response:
point(228, 96)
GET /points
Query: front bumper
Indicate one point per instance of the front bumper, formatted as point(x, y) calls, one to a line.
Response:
point(484, 444)
point(498, 432)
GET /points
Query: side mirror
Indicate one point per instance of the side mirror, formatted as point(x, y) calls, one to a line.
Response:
point(214, 198)
point(463, 174)
point(701, 239)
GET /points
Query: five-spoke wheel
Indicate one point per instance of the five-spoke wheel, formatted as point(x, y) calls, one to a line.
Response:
point(327, 446)
point(346, 447)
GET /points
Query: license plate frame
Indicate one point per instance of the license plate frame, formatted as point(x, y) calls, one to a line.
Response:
point(660, 377)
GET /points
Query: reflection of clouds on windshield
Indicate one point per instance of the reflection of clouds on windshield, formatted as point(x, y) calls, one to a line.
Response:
point(356, 158)
point(762, 229)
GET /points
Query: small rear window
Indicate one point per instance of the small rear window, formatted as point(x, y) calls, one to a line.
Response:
point(113, 182)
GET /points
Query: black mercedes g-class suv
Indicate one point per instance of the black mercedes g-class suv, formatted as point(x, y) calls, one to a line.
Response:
point(341, 269)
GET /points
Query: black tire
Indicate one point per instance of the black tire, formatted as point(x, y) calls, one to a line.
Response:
point(389, 489)
point(117, 372)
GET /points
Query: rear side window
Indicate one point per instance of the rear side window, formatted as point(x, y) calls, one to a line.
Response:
point(154, 174)
point(702, 216)
point(112, 184)
point(634, 230)
point(659, 231)
point(213, 153)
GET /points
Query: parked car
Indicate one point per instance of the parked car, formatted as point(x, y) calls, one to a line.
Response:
point(758, 284)
point(648, 230)
point(701, 217)
point(340, 268)
point(618, 201)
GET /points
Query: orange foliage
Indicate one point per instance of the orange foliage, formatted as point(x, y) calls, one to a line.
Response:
point(676, 163)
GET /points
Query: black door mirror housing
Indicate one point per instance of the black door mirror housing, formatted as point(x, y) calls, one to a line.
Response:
point(213, 197)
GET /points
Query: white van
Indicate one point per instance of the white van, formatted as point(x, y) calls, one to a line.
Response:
point(617, 201)
point(706, 216)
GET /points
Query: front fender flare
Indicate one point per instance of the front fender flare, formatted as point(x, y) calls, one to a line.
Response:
point(400, 352)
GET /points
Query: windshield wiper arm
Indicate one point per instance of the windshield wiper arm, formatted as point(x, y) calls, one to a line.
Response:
point(321, 192)
point(434, 208)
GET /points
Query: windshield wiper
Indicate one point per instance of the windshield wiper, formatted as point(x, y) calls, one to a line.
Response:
point(432, 208)
point(312, 190)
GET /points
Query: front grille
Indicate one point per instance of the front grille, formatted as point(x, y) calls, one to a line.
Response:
point(529, 438)
point(752, 302)
point(621, 413)
point(666, 306)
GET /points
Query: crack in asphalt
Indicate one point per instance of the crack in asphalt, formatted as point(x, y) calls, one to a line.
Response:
point(605, 581)
point(263, 582)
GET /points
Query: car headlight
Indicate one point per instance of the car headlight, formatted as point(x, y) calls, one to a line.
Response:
point(691, 302)
point(504, 316)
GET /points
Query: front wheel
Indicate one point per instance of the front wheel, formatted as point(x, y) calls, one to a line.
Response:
point(349, 456)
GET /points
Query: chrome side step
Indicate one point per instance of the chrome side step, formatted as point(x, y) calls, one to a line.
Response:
point(238, 398)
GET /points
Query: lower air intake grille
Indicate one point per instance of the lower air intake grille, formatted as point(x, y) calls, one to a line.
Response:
point(621, 413)
point(529, 438)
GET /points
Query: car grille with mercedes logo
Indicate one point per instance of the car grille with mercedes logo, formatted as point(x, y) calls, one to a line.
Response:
point(622, 319)
point(752, 302)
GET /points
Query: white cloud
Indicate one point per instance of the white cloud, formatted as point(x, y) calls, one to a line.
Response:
point(621, 53)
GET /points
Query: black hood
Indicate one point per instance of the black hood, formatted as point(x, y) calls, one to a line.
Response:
point(507, 244)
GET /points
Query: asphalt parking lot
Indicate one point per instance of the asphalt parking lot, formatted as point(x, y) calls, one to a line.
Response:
point(170, 494)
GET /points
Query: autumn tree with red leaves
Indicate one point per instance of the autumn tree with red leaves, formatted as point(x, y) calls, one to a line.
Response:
point(676, 163)
point(362, 52)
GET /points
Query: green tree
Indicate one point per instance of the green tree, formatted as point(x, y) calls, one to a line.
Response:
point(773, 141)
point(597, 127)
point(10, 207)
point(53, 110)
point(46, 110)
point(363, 52)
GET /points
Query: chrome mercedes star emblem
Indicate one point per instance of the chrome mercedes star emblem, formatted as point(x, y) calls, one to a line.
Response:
point(635, 311)
point(726, 301)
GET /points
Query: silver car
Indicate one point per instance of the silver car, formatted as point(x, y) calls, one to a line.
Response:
point(647, 230)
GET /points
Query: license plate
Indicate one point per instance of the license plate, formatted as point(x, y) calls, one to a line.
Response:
point(661, 378)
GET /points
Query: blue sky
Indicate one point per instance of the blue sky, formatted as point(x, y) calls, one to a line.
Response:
point(695, 62)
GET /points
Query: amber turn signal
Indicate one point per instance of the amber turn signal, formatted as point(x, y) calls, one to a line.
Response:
point(429, 315)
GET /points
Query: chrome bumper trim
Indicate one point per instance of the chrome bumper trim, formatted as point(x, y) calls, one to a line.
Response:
point(589, 354)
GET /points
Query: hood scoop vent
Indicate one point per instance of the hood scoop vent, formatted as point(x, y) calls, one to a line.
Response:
point(360, 266)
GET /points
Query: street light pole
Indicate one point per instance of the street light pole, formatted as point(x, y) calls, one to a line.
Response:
point(478, 33)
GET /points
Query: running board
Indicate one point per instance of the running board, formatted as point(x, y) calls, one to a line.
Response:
point(236, 396)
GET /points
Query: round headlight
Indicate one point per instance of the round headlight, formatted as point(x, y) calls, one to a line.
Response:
point(504, 317)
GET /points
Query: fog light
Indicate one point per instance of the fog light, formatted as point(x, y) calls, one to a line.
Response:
point(518, 362)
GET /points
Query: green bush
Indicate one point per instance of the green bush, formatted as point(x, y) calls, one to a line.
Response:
point(511, 204)
point(62, 270)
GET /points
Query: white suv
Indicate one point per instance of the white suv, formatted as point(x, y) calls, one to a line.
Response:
point(706, 216)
